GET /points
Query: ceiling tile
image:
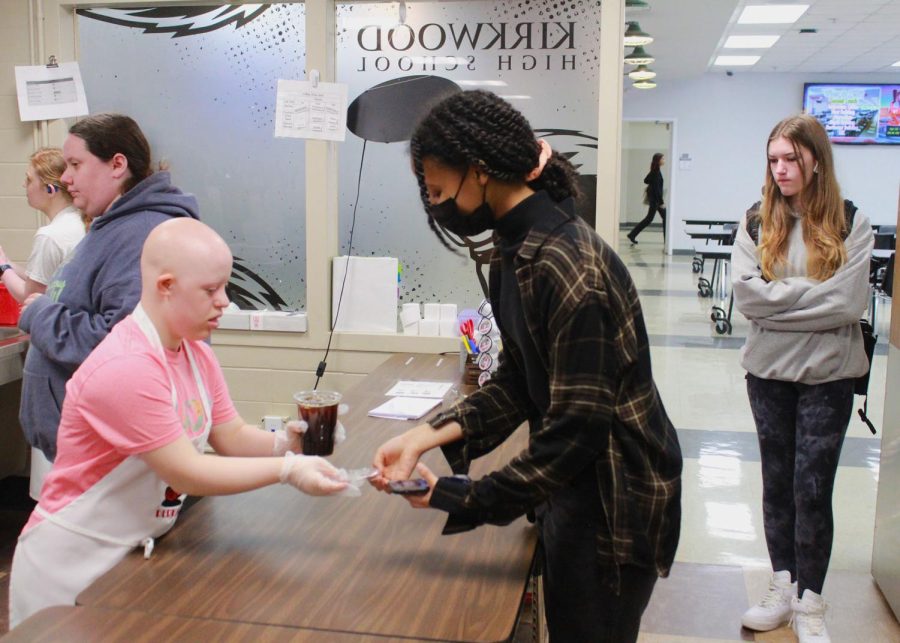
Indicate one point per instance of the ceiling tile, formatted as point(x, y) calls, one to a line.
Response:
point(853, 36)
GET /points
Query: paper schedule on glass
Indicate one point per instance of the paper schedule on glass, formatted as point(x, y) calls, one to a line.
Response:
point(48, 92)
point(411, 388)
point(311, 110)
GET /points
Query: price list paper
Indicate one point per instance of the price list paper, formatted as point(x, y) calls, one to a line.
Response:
point(49, 92)
point(311, 110)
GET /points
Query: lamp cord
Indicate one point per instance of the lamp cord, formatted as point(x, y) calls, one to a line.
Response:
point(320, 370)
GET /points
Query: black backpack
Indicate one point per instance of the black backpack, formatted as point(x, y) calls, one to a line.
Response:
point(861, 384)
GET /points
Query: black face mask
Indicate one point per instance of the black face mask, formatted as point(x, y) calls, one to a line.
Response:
point(447, 215)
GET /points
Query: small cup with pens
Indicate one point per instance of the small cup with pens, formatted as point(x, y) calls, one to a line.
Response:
point(468, 352)
point(481, 346)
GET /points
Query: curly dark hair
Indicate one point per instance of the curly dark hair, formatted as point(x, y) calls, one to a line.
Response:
point(481, 129)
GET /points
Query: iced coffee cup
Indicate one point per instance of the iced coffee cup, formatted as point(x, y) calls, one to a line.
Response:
point(319, 409)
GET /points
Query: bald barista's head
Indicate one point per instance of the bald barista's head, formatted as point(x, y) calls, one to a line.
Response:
point(185, 266)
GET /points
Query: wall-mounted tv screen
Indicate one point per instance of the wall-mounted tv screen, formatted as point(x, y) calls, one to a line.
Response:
point(856, 113)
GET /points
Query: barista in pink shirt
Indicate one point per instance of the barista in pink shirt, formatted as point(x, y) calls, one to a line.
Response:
point(136, 419)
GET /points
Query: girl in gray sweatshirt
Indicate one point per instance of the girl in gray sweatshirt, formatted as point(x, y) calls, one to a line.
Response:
point(800, 276)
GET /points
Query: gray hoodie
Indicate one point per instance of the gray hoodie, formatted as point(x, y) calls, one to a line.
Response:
point(803, 330)
point(98, 287)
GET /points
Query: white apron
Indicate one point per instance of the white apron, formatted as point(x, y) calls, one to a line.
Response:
point(62, 555)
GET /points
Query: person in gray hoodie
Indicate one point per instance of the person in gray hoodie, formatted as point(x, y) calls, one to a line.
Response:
point(109, 175)
point(800, 276)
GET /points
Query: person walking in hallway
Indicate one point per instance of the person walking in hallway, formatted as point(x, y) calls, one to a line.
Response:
point(654, 197)
point(801, 273)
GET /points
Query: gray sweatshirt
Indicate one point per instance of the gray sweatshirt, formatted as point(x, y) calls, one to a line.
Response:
point(87, 297)
point(803, 330)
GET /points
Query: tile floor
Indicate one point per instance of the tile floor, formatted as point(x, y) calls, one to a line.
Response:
point(721, 564)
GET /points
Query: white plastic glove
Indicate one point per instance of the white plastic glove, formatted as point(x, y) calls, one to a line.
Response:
point(290, 438)
point(355, 479)
point(340, 433)
point(312, 475)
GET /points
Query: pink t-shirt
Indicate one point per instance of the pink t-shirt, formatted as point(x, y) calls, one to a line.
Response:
point(119, 403)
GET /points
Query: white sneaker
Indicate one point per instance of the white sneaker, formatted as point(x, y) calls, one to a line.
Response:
point(809, 618)
point(774, 610)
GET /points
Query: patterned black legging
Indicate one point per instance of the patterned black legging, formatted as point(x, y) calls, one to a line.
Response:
point(801, 430)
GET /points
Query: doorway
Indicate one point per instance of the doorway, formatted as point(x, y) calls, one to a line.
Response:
point(641, 139)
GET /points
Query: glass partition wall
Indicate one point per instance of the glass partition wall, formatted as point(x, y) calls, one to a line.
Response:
point(397, 58)
point(201, 82)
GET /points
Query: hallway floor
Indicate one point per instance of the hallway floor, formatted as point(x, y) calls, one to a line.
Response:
point(721, 564)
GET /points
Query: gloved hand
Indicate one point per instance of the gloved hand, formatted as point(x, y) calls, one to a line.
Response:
point(312, 475)
point(291, 438)
point(340, 433)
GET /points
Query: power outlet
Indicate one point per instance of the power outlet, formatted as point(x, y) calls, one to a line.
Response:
point(273, 422)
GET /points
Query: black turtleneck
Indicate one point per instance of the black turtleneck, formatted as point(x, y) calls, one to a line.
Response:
point(512, 229)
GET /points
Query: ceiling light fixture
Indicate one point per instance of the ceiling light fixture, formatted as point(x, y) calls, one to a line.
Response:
point(644, 84)
point(896, 64)
point(750, 42)
point(736, 61)
point(639, 57)
point(642, 73)
point(634, 37)
point(772, 14)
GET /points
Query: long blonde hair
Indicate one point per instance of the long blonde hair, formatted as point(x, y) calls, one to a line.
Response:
point(822, 216)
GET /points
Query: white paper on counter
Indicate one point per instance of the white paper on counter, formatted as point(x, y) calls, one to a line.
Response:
point(405, 408)
point(305, 110)
point(45, 93)
point(412, 388)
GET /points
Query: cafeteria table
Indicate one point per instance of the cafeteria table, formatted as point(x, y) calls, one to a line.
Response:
point(369, 565)
point(718, 285)
point(88, 624)
point(723, 234)
point(707, 222)
point(879, 261)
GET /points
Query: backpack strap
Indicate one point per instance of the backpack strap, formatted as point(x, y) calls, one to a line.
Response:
point(849, 213)
point(753, 222)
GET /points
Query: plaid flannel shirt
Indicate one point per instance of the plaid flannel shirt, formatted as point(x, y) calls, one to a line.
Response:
point(583, 313)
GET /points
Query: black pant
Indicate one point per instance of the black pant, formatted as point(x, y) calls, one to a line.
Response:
point(801, 430)
point(648, 219)
point(582, 599)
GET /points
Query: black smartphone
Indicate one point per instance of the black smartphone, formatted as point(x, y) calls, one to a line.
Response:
point(417, 487)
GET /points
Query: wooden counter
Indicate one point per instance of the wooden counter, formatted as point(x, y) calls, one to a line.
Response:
point(89, 624)
point(368, 565)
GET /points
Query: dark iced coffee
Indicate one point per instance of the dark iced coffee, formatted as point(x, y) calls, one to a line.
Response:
point(319, 409)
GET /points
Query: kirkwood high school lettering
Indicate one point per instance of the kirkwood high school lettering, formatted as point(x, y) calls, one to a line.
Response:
point(388, 44)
